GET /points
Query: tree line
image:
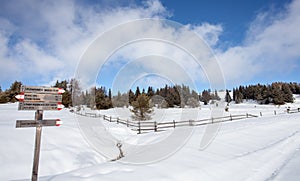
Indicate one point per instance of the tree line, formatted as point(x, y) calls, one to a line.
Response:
point(102, 98)
point(166, 97)
point(181, 96)
point(277, 93)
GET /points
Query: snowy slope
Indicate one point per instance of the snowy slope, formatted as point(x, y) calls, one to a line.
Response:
point(63, 148)
point(263, 148)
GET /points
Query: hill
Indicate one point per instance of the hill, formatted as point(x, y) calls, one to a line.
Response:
point(260, 148)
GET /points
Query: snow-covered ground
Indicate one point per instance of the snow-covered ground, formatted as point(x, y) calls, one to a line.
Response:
point(263, 148)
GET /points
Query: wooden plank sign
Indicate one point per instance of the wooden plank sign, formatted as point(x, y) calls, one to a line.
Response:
point(42, 89)
point(34, 97)
point(40, 106)
point(34, 123)
point(40, 98)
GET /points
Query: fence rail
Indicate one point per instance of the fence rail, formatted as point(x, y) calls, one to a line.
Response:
point(147, 126)
point(293, 110)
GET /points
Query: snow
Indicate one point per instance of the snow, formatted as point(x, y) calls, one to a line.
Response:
point(262, 148)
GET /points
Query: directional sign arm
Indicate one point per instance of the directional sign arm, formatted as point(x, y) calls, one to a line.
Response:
point(20, 96)
point(42, 89)
point(34, 123)
point(61, 91)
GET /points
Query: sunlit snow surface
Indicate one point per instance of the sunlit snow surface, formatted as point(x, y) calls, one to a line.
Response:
point(263, 148)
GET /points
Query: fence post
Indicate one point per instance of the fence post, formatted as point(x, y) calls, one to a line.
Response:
point(127, 123)
point(274, 112)
point(117, 120)
point(247, 115)
point(139, 129)
point(230, 117)
point(110, 119)
point(155, 126)
point(212, 120)
point(260, 114)
point(104, 117)
point(174, 124)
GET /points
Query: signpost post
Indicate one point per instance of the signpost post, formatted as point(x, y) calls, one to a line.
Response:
point(39, 99)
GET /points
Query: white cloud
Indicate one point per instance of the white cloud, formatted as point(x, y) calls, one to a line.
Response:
point(209, 32)
point(8, 65)
point(50, 36)
point(137, 39)
point(271, 47)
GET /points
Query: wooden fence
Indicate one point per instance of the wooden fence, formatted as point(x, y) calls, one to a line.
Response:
point(293, 110)
point(149, 126)
point(144, 126)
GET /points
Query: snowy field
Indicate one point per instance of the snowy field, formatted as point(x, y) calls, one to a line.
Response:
point(263, 148)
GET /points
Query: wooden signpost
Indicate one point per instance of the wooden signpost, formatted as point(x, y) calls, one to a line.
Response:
point(39, 99)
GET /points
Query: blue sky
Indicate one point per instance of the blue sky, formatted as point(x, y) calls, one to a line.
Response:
point(234, 15)
point(253, 41)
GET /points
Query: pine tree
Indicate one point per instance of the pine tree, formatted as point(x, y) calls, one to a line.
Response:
point(4, 96)
point(67, 95)
point(150, 92)
point(131, 97)
point(170, 98)
point(109, 99)
point(137, 92)
point(9, 94)
point(238, 96)
point(277, 94)
point(228, 97)
point(288, 95)
point(141, 108)
point(234, 94)
point(205, 97)
point(266, 94)
point(216, 96)
point(297, 89)
point(13, 91)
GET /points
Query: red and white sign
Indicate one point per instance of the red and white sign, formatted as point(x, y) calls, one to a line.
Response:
point(58, 122)
point(20, 97)
point(61, 91)
point(60, 106)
